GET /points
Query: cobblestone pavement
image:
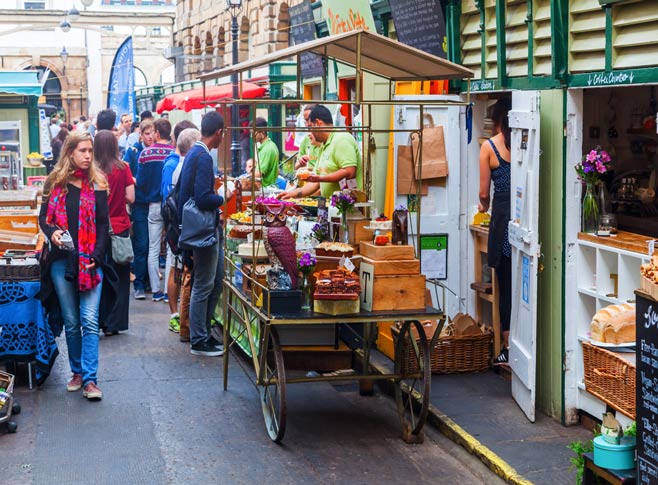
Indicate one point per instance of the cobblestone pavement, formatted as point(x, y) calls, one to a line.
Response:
point(164, 418)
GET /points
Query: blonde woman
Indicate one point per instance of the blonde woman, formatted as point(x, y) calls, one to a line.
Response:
point(74, 218)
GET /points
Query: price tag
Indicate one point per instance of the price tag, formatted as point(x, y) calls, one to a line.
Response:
point(347, 264)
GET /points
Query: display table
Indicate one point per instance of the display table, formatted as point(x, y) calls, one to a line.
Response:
point(25, 335)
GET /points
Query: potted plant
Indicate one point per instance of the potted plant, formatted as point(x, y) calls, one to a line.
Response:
point(594, 165)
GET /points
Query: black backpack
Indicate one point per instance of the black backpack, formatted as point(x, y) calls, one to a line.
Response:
point(170, 219)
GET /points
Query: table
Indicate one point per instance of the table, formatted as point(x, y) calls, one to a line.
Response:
point(411, 376)
point(25, 335)
point(627, 477)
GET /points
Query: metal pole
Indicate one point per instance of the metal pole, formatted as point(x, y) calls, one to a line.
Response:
point(236, 165)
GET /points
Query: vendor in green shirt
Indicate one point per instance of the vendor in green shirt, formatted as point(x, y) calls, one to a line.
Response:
point(267, 155)
point(309, 149)
point(339, 158)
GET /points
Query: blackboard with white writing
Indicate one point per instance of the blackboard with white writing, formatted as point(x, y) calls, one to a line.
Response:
point(302, 27)
point(420, 24)
point(646, 384)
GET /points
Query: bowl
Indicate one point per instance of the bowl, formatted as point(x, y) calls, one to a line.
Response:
point(35, 162)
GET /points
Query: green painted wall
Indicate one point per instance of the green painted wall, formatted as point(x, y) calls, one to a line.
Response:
point(21, 114)
point(549, 311)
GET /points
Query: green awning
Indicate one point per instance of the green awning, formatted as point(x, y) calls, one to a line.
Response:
point(24, 83)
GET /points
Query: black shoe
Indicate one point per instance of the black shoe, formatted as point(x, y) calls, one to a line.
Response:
point(213, 341)
point(206, 350)
point(503, 357)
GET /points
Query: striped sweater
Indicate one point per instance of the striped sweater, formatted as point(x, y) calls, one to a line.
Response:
point(149, 173)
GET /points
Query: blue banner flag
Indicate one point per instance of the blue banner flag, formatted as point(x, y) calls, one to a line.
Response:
point(121, 90)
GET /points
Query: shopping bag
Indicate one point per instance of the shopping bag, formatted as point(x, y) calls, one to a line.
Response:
point(433, 162)
point(407, 183)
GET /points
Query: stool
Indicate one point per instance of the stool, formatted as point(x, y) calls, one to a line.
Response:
point(611, 476)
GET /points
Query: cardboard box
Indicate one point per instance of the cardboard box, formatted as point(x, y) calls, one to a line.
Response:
point(336, 307)
point(388, 252)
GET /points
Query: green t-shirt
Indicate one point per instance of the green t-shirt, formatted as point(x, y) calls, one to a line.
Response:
point(339, 151)
point(268, 162)
point(313, 151)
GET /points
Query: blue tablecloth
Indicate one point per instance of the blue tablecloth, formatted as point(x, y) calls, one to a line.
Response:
point(25, 334)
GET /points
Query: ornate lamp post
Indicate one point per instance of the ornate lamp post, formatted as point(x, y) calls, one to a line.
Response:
point(234, 7)
point(64, 56)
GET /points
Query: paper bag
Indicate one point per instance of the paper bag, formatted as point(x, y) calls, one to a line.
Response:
point(407, 184)
point(433, 162)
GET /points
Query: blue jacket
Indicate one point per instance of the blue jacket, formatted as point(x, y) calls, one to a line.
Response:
point(170, 164)
point(131, 156)
point(197, 180)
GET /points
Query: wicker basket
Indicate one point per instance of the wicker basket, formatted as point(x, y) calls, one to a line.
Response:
point(610, 378)
point(453, 354)
point(20, 272)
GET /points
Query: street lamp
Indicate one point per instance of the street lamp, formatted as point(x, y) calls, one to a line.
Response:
point(74, 14)
point(65, 25)
point(64, 56)
point(234, 7)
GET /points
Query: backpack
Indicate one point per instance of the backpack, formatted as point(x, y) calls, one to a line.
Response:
point(170, 219)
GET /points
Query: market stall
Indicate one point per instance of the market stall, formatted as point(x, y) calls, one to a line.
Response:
point(371, 275)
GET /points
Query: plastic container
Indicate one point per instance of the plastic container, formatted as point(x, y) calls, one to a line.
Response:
point(615, 457)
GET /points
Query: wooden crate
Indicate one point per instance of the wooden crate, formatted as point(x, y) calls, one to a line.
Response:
point(357, 231)
point(403, 292)
point(394, 267)
point(26, 222)
point(385, 339)
point(386, 253)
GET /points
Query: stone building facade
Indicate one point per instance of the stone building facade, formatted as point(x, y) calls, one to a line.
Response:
point(202, 33)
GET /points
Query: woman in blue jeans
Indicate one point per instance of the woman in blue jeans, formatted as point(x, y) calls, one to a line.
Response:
point(74, 218)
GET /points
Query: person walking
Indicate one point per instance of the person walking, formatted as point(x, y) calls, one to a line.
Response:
point(121, 184)
point(148, 184)
point(197, 183)
point(74, 218)
point(139, 212)
point(185, 135)
point(56, 145)
point(495, 166)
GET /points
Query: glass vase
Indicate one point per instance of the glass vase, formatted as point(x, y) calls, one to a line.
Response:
point(307, 295)
point(590, 212)
point(344, 229)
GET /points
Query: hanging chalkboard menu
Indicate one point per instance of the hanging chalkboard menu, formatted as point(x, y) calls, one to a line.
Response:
point(646, 384)
point(302, 28)
point(420, 24)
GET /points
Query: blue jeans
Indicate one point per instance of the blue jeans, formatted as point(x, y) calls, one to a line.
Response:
point(206, 288)
point(80, 313)
point(139, 214)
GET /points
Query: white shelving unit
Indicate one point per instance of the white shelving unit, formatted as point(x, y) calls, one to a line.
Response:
point(596, 265)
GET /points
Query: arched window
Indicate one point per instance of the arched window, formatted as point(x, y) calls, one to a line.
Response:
point(52, 90)
point(208, 52)
point(221, 48)
point(196, 51)
point(244, 44)
point(140, 78)
point(283, 27)
point(168, 75)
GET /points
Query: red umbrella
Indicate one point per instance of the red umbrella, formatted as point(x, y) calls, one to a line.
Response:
point(193, 99)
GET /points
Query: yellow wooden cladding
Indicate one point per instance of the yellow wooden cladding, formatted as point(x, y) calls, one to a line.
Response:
point(635, 34)
point(586, 36)
point(491, 59)
point(542, 50)
point(470, 36)
point(516, 37)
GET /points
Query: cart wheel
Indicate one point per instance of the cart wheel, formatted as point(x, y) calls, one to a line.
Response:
point(16, 409)
point(273, 390)
point(11, 426)
point(412, 391)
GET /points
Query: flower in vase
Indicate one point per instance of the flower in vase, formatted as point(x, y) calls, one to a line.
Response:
point(343, 201)
point(306, 263)
point(594, 164)
point(320, 229)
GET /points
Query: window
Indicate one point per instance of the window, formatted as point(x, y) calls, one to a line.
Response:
point(108, 28)
point(156, 31)
point(35, 5)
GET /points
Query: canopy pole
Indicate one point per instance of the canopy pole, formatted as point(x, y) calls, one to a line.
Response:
point(359, 94)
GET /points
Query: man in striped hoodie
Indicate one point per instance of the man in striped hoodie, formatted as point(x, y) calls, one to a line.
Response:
point(148, 190)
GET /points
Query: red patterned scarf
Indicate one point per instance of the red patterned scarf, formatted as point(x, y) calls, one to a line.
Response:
point(56, 216)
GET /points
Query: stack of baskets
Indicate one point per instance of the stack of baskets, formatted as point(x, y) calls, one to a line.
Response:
point(453, 354)
point(610, 378)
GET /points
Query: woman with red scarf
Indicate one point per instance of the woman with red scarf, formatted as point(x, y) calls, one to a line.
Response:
point(74, 218)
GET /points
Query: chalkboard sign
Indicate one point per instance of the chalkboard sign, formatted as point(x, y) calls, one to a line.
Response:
point(646, 384)
point(302, 28)
point(420, 24)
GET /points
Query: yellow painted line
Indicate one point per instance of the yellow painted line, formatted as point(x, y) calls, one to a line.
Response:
point(460, 436)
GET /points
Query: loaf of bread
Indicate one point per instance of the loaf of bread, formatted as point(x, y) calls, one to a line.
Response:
point(614, 324)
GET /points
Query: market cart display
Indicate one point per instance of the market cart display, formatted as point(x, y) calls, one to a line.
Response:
point(362, 275)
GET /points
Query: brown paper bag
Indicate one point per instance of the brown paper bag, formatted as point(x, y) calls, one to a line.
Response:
point(433, 157)
point(407, 184)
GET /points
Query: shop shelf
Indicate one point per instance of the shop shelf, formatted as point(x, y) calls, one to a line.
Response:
point(586, 267)
point(606, 271)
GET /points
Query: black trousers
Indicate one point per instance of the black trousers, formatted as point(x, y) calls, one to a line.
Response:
point(504, 275)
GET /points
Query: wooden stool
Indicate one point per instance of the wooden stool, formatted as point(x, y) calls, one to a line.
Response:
point(611, 476)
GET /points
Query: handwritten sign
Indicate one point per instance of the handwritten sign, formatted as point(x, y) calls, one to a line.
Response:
point(345, 16)
point(610, 78)
point(420, 24)
point(483, 85)
point(367, 275)
point(647, 389)
point(302, 27)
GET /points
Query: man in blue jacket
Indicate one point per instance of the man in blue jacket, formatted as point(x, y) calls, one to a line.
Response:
point(197, 182)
